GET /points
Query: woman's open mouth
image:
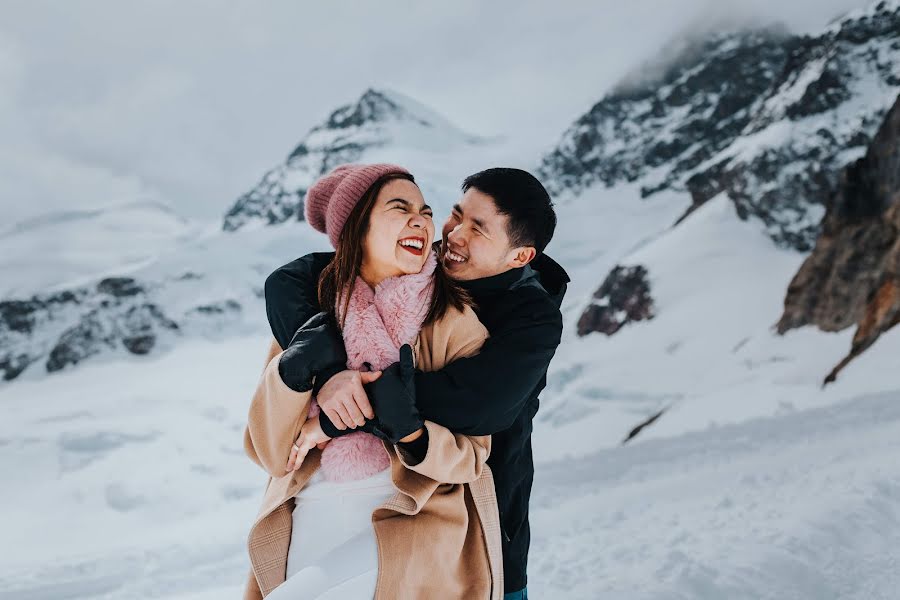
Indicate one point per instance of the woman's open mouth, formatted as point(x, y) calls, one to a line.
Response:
point(414, 245)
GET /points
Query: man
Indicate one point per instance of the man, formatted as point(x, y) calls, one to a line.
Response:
point(492, 244)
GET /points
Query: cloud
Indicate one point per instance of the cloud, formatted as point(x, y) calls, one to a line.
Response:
point(11, 69)
point(34, 181)
point(36, 177)
point(192, 102)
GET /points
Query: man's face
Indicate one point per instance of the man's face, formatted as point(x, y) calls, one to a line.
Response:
point(475, 243)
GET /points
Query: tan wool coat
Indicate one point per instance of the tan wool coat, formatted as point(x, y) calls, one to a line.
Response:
point(437, 537)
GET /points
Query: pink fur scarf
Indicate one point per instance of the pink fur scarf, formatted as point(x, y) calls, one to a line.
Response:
point(378, 322)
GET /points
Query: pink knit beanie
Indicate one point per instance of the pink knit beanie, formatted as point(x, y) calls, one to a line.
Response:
point(331, 199)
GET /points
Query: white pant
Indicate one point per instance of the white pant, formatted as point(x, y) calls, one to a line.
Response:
point(333, 553)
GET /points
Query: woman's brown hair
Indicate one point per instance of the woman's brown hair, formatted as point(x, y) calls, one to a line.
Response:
point(342, 271)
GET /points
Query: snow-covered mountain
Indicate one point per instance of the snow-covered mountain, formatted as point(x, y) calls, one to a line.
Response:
point(135, 279)
point(689, 291)
point(66, 293)
point(664, 120)
point(207, 284)
point(768, 118)
point(379, 123)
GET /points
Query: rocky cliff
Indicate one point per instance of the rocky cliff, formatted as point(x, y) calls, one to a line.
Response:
point(852, 277)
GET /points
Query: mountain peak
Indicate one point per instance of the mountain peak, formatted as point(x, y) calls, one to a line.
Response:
point(373, 106)
point(379, 106)
point(669, 116)
point(379, 122)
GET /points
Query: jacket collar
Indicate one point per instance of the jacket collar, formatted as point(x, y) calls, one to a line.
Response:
point(552, 276)
point(500, 282)
point(543, 272)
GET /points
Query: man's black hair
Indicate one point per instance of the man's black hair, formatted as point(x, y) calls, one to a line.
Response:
point(521, 197)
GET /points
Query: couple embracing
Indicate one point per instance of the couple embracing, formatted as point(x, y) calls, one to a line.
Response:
point(394, 412)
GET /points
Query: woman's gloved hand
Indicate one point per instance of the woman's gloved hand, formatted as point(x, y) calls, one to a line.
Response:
point(315, 347)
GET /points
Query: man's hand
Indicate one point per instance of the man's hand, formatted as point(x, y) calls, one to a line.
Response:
point(316, 346)
point(343, 399)
point(311, 435)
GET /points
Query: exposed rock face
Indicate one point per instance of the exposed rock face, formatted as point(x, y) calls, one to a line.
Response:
point(85, 322)
point(819, 116)
point(116, 314)
point(853, 274)
point(624, 297)
point(18, 321)
point(767, 118)
point(673, 119)
point(340, 139)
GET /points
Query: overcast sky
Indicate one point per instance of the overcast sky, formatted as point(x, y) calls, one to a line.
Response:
point(189, 102)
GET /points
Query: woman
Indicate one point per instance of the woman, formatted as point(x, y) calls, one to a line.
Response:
point(357, 516)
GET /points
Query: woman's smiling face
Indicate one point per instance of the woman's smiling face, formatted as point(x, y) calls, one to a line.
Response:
point(399, 235)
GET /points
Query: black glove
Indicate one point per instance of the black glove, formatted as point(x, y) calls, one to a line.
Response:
point(393, 398)
point(415, 451)
point(315, 347)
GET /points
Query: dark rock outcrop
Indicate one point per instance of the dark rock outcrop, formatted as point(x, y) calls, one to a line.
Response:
point(119, 287)
point(268, 202)
point(623, 298)
point(117, 314)
point(853, 274)
point(643, 425)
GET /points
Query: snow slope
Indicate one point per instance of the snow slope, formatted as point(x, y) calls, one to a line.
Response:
point(799, 506)
point(142, 491)
point(754, 483)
